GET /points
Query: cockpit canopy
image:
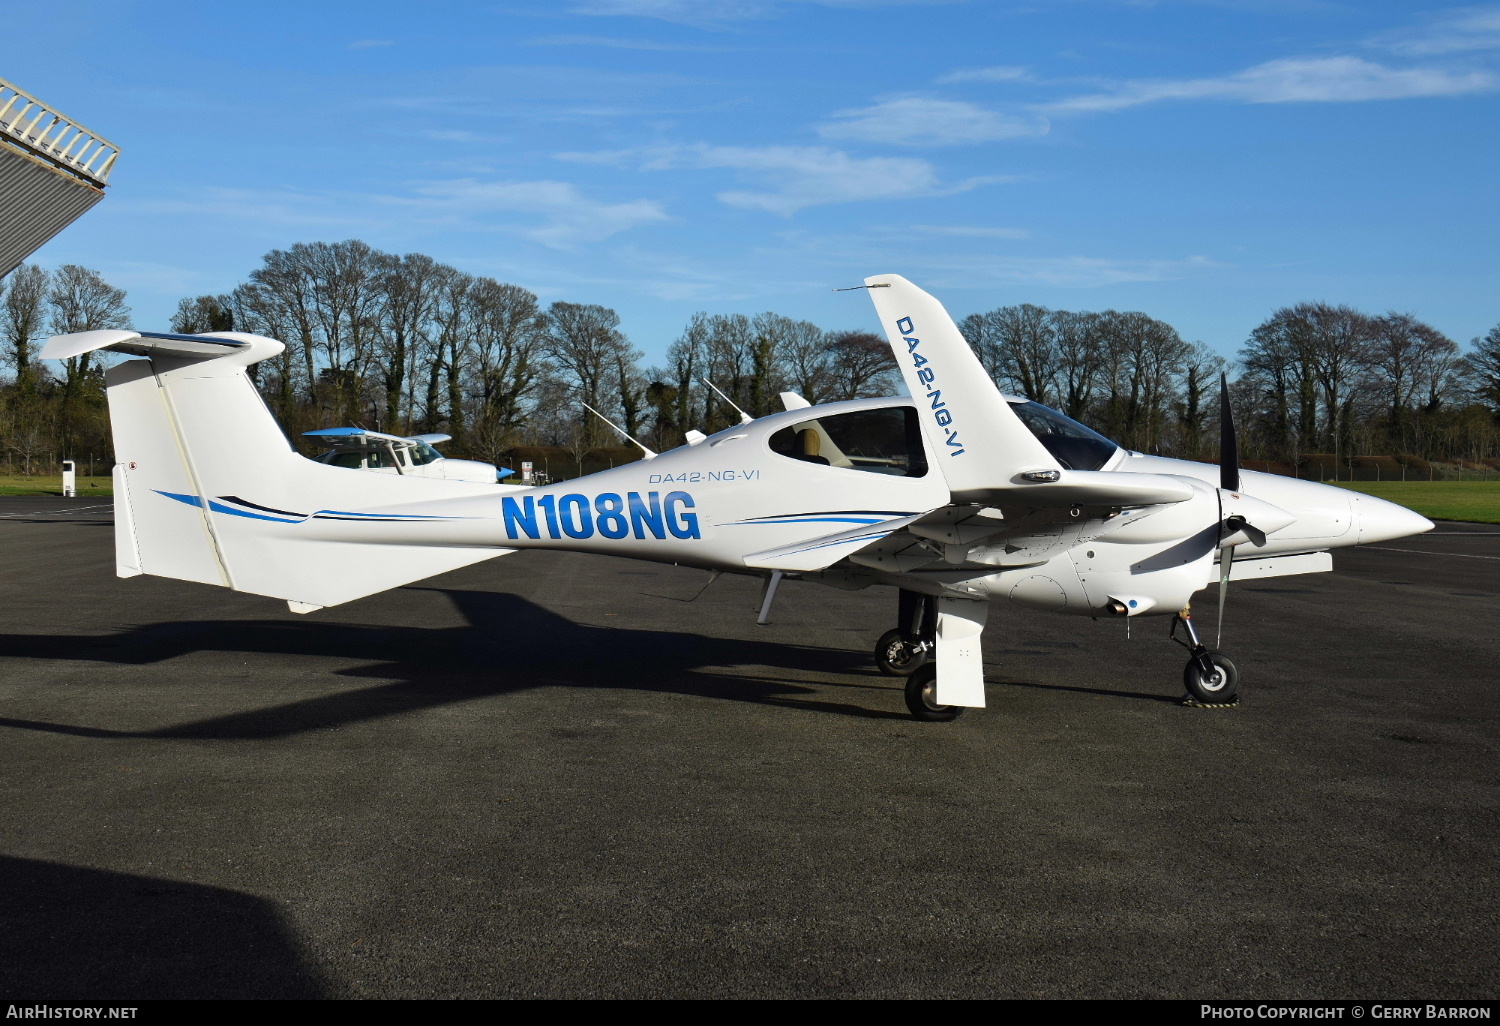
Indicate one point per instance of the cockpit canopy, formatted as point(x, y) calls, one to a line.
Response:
point(1070, 443)
point(888, 440)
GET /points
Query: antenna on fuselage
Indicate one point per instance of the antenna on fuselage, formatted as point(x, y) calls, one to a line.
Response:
point(647, 453)
point(745, 418)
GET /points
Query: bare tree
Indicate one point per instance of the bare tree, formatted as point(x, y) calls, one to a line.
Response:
point(409, 284)
point(861, 365)
point(1201, 367)
point(1076, 341)
point(1483, 367)
point(81, 300)
point(585, 342)
point(686, 357)
point(1280, 358)
point(805, 359)
point(21, 319)
point(507, 344)
point(201, 314)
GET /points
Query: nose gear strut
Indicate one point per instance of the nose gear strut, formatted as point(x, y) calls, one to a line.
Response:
point(1211, 678)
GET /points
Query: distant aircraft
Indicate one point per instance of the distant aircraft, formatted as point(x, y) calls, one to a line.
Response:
point(956, 495)
point(358, 449)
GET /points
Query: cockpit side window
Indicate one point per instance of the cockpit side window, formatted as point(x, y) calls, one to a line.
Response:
point(1071, 444)
point(422, 454)
point(885, 441)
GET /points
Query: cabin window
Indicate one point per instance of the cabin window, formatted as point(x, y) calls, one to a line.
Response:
point(1070, 443)
point(422, 454)
point(352, 460)
point(887, 441)
point(380, 459)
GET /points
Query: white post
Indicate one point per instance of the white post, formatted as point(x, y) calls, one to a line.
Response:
point(70, 479)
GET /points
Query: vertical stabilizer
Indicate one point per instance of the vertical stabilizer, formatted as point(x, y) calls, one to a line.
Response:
point(976, 438)
point(208, 489)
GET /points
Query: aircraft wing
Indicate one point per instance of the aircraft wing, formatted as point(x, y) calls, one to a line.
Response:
point(357, 436)
point(818, 553)
point(978, 538)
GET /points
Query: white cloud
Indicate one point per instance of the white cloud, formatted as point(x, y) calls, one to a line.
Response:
point(365, 44)
point(615, 43)
point(1291, 80)
point(690, 12)
point(555, 214)
point(1462, 30)
point(569, 218)
point(971, 231)
point(914, 121)
point(1060, 272)
point(799, 176)
point(999, 73)
point(706, 12)
point(281, 207)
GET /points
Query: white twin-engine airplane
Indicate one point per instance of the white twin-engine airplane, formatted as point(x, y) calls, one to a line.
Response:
point(957, 495)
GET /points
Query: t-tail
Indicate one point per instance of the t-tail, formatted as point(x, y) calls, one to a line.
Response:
point(209, 489)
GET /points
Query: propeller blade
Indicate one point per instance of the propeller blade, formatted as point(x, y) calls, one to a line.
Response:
point(1225, 558)
point(1229, 448)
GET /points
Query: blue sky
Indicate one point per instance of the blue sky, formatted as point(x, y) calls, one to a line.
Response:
point(1202, 160)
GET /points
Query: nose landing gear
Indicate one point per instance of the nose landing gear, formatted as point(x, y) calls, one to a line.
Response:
point(1211, 678)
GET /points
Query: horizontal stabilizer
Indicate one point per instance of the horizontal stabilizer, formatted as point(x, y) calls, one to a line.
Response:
point(156, 343)
point(818, 553)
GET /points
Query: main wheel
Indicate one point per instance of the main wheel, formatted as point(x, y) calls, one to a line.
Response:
point(898, 657)
point(1221, 688)
point(921, 696)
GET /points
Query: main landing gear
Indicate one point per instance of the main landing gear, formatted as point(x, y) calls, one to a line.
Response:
point(902, 650)
point(910, 651)
point(1211, 678)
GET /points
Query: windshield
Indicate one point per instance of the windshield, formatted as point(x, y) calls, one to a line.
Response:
point(1071, 444)
point(422, 454)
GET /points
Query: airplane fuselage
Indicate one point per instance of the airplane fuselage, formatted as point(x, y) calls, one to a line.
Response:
point(708, 505)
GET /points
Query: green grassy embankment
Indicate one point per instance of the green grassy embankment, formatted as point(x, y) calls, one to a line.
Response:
point(1477, 501)
point(16, 484)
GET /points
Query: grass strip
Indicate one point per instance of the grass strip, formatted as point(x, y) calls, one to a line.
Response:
point(1477, 501)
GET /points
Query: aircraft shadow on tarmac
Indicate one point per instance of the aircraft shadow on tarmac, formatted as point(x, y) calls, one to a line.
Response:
point(508, 645)
point(73, 933)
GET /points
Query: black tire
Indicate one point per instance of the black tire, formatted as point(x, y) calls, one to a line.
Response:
point(1221, 689)
point(920, 688)
point(896, 656)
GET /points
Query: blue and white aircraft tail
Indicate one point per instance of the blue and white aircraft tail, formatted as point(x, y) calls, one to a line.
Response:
point(208, 489)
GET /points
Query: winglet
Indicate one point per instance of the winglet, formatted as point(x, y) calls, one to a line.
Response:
point(977, 440)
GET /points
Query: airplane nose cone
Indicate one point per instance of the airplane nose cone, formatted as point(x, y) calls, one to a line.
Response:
point(1379, 520)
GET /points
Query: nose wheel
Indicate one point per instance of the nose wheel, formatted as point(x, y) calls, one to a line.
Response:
point(1211, 678)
